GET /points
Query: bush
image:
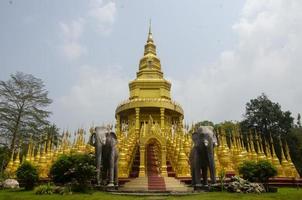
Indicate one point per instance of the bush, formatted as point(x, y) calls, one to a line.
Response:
point(28, 175)
point(62, 190)
point(248, 170)
point(261, 171)
point(49, 189)
point(59, 170)
point(44, 189)
point(265, 170)
point(77, 169)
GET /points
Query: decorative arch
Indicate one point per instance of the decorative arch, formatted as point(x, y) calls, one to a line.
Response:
point(144, 142)
point(161, 140)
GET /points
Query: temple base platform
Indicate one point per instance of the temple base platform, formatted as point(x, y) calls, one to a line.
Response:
point(155, 184)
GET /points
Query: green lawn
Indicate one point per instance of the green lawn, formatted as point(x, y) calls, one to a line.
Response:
point(283, 193)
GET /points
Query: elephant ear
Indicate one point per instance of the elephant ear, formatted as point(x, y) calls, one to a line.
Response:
point(113, 135)
point(194, 135)
point(196, 138)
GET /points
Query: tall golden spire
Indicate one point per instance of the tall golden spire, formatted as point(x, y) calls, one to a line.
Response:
point(150, 48)
point(150, 81)
point(150, 38)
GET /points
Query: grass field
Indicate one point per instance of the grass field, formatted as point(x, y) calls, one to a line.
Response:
point(283, 193)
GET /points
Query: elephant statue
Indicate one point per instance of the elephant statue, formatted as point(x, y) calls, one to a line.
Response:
point(202, 155)
point(195, 161)
point(106, 155)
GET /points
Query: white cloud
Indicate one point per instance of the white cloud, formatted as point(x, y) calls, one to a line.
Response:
point(104, 14)
point(71, 34)
point(92, 99)
point(267, 59)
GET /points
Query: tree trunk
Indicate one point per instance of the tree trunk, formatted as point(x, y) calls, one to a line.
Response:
point(16, 129)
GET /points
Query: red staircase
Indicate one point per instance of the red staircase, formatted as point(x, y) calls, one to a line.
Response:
point(170, 171)
point(152, 182)
point(155, 181)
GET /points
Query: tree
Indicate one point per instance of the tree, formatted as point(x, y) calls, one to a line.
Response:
point(266, 117)
point(52, 134)
point(23, 99)
point(229, 128)
point(299, 121)
point(204, 123)
point(294, 141)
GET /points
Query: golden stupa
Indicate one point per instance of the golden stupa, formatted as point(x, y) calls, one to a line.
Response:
point(150, 119)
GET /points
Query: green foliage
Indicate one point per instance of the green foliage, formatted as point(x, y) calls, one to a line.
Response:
point(28, 175)
point(4, 158)
point(44, 189)
point(52, 133)
point(267, 117)
point(258, 172)
point(62, 190)
point(229, 127)
point(294, 141)
point(221, 176)
point(48, 189)
point(248, 170)
point(265, 170)
point(78, 169)
point(204, 123)
point(298, 124)
point(284, 193)
point(59, 171)
point(23, 99)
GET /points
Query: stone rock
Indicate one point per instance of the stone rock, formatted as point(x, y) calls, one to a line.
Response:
point(10, 183)
point(240, 185)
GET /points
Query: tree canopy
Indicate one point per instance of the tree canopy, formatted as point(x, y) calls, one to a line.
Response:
point(294, 140)
point(266, 117)
point(23, 100)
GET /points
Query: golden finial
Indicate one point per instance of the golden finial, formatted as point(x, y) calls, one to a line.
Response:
point(150, 38)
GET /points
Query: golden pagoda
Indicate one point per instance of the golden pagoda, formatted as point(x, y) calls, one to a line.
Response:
point(150, 119)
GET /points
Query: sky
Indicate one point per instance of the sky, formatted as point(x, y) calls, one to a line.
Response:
point(218, 54)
